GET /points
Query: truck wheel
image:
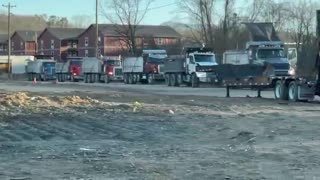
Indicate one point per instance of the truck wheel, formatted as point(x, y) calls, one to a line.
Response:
point(134, 79)
point(29, 77)
point(178, 79)
point(65, 77)
point(86, 78)
point(173, 80)
point(125, 78)
point(150, 79)
point(93, 78)
point(293, 91)
point(194, 81)
point(106, 79)
point(167, 78)
point(281, 90)
point(130, 78)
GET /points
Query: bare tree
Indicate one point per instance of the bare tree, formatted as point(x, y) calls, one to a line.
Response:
point(127, 15)
point(201, 13)
point(302, 28)
point(80, 21)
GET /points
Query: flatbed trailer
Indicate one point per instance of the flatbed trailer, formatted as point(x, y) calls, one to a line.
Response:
point(292, 88)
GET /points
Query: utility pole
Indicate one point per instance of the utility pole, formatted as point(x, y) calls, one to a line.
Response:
point(97, 32)
point(9, 6)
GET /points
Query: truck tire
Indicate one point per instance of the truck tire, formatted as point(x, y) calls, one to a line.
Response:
point(293, 93)
point(150, 79)
point(168, 79)
point(72, 78)
point(130, 78)
point(125, 78)
point(86, 78)
point(29, 77)
point(281, 90)
point(194, 81)
point(106, 79)
point(93, 78)
point(179, 79)
point(173, 79)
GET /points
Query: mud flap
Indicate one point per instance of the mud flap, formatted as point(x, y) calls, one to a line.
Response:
point(306, 93)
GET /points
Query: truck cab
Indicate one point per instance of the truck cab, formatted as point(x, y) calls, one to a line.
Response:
point(153, 64)
point(112, 69)
point(200, 62)
point(270, 53)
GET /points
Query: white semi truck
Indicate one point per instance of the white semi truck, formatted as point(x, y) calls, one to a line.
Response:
point(192, 68)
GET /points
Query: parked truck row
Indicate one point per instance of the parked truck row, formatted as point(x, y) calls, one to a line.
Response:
point(261, 65)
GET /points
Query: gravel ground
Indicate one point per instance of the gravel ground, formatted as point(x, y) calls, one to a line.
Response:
point(124, 134)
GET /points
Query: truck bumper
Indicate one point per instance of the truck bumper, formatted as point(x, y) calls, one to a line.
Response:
point(116, 78)
point(207, 77)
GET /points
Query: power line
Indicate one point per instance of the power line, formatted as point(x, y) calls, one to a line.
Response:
point(163, 6)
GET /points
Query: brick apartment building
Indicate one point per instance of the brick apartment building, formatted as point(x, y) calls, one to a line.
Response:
point(59, 42)
point(3, 44)
point(111, 40)
point(24, 43)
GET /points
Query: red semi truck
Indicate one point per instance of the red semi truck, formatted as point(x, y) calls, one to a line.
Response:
point(112, 69)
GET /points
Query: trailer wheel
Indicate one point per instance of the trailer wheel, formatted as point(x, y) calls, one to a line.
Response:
point(293, 91)
point(194, 81)
point(281, 90)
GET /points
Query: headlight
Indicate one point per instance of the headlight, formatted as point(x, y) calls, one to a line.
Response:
point(292, 71)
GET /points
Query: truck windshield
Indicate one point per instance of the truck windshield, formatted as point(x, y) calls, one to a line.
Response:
point(204, 58)
point(75, 63)
point(270, 53)
point(113, 62)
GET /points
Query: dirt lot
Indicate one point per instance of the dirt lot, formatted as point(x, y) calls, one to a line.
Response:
point(110, 133)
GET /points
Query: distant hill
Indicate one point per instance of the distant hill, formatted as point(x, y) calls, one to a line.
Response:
point(22, 22)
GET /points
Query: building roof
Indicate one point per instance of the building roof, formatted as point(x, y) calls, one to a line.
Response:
point(142, 30)
point(3, 38)
point(28, 35)
point(65, 33)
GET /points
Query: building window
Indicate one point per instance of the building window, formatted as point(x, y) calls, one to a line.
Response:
point(41, 44)
point(160, 41)
point(52, 44)
point(86, 42)
point(86, 53)
point(52, 53)
point(21, 45)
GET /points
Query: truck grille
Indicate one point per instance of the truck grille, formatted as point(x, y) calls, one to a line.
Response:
point(161, 68)
point(118, 72)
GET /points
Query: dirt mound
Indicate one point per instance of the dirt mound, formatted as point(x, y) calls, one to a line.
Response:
point(16, 99)
point(22, 99)
point(76, 100)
